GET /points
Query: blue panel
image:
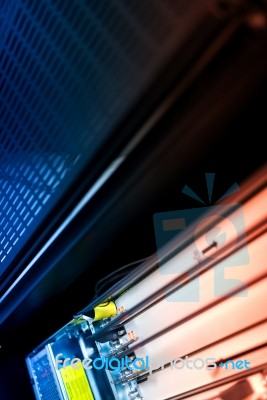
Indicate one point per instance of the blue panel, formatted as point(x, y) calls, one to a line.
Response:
point(69, 71)
point(46, 386)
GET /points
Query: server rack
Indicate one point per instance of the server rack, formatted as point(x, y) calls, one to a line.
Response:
point(211, 28)
point(137, 338)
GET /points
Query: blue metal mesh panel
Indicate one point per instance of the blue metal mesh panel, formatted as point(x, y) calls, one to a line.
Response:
point(69, 71)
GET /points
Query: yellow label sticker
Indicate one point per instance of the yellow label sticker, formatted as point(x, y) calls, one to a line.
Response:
point(76, 383)
point(105, 310)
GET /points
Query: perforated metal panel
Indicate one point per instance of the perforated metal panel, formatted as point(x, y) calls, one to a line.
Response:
point(70, 70)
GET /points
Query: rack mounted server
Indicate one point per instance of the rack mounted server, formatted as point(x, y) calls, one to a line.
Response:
point(148, 338)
